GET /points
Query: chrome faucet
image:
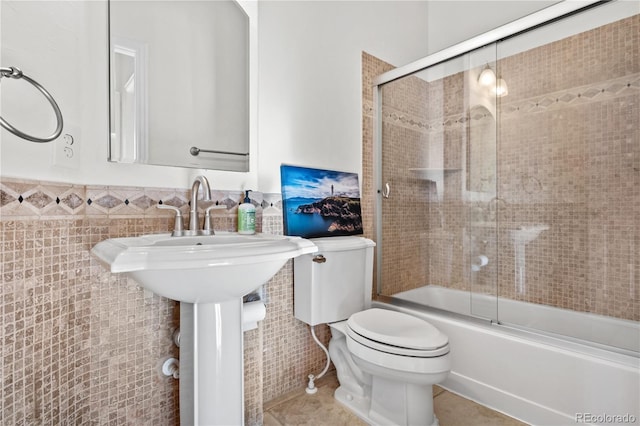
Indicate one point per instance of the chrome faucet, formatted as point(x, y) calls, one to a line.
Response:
point(206, 196)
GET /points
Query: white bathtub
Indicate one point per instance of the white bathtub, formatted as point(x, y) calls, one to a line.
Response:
point(538, 378)
point(606, 331)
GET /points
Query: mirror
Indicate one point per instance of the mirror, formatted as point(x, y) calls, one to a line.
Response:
point(179, 83)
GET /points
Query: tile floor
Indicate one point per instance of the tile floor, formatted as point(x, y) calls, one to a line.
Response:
point(298, 408)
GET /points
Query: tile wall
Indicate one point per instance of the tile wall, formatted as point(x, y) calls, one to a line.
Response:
point(571, 145)
point(81, 345)
point(568, 157)
point(371, 67)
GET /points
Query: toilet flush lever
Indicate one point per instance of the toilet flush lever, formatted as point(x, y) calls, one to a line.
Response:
point(319, 258)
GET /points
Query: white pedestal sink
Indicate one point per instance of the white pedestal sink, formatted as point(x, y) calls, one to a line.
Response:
point(208, 275)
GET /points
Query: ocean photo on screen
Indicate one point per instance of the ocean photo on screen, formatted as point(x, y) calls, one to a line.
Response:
point(320, 203)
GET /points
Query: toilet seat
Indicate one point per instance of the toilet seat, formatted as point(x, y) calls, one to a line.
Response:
point(396, 333)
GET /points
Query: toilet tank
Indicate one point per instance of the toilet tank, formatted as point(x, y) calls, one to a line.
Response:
point(334, 282)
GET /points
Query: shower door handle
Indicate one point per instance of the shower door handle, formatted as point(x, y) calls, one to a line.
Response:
point(386, 191)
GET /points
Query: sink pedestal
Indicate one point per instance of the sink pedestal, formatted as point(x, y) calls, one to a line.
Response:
point(211, 363)
point(521, 237)
point(208, 275)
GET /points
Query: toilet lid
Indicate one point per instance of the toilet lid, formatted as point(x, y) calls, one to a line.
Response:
point(397, 329)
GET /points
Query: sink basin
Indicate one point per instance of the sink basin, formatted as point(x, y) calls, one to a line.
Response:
point(201, 269)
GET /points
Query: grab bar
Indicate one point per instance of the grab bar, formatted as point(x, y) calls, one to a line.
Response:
point(13, 72)
point(195, 151)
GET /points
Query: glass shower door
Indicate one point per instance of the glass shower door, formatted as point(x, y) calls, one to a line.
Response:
point(513, 171)
point(436, 153)
point(568, 167)
point(485, 88)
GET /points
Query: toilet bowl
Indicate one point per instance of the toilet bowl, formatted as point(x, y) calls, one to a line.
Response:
point(397, 341)
point(390, 378)
point(386, 361)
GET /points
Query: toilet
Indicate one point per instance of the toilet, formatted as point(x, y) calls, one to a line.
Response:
point(386, 361)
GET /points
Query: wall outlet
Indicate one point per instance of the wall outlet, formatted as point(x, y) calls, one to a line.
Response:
point(66, 149)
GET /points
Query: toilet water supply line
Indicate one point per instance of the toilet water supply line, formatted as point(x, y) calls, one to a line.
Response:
point(311, 387)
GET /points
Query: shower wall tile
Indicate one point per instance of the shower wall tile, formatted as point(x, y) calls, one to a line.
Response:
point(81, 345)
point(568, 157)
point(571, 149)
point(371, 67)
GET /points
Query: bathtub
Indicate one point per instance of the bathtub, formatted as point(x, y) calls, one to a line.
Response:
point(538, 378)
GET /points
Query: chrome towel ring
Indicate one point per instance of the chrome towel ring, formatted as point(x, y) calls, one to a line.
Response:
point(13, 72)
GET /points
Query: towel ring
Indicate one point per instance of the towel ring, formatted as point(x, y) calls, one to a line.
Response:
point(13, 72)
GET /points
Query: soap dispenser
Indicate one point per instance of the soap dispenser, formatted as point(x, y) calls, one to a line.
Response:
point(246, 216)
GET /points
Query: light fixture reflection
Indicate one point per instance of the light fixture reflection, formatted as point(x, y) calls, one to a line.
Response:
point(488, 78)
point(501, 88)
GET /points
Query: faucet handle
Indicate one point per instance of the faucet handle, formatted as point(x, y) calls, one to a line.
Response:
point(207, 216)
point(178, 226)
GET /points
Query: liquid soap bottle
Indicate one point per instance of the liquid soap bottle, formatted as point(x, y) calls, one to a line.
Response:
point(246, 216)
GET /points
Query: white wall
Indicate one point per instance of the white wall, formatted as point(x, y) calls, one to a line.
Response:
point(451, 22)
point(310, 77)
point(307, 71)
